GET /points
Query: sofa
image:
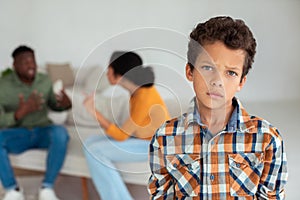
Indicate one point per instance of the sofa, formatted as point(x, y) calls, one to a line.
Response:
point(112, 101)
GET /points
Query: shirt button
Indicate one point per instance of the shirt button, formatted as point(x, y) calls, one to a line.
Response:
point(238, 165)
point(175, 165)
point(212, 177)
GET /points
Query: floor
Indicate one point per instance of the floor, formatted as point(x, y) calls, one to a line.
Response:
point(67, 187)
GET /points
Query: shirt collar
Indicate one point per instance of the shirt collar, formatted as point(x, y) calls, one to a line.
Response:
point(193, 115)
point(239, 120)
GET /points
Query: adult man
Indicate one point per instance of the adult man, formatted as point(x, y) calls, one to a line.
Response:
point(24, 100)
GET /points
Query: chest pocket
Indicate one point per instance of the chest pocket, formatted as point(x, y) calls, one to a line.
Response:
point(245, 171)
point(185, 170)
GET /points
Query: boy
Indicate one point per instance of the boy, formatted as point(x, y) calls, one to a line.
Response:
point(216, 150)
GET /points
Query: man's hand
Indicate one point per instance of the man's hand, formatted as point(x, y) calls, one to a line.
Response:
point(34, 103)
point(63, 100)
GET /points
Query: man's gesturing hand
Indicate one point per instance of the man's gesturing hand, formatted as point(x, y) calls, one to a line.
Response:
point(34, 103)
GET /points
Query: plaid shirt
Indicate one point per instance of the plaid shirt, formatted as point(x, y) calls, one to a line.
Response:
point(246, 160)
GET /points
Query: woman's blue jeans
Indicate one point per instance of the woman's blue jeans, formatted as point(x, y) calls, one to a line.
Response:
point(101, 153)
point(17, 140)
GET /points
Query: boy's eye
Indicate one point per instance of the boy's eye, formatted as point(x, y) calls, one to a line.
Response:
point(232, 73)
point(205, 67)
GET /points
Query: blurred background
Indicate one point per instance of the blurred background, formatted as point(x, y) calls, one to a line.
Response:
point(68, 31)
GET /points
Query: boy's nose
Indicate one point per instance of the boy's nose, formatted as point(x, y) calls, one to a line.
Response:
point(216, 82)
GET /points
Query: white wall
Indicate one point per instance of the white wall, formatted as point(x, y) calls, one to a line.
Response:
point(84, 32)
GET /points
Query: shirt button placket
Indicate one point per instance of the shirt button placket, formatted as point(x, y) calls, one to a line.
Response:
point(212, 177)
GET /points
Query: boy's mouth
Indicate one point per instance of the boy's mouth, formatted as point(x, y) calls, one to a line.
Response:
point(215, 95)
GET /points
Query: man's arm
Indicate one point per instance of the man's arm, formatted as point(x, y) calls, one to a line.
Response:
point(160, 184)
point(7, 119)
point(275, 174)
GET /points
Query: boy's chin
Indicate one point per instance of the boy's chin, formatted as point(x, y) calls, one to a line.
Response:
point(214, 104)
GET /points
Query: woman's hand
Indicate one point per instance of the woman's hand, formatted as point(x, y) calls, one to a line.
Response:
point(89, 103)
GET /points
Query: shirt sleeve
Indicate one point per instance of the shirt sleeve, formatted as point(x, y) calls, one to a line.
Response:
point(127, 129)
point(275, 174)
point(7, 119)
point(116, 133)
point(134, 123)
point(160, 185)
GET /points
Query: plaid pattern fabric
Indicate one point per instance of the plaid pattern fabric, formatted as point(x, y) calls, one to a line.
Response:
point(244, 161)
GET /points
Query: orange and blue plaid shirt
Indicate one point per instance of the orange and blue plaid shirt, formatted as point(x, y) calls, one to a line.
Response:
point(246, 160)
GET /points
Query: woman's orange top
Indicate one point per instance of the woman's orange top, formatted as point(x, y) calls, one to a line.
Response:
point(147, 113)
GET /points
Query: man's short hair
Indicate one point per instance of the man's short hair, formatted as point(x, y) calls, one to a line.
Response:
point(21, 49)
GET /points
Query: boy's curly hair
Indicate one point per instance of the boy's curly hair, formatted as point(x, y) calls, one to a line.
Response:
point(235, 34)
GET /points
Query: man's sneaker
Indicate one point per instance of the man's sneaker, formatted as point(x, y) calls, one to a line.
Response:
point(47, 194)
point(14, 195)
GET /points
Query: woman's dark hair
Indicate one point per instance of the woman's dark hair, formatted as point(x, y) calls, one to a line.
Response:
point(21, 49)
point(235, 34)
point(130, 66)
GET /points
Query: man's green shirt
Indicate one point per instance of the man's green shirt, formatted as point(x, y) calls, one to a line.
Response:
point(10, 89)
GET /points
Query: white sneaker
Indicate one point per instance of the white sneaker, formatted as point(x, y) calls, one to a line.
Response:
point(14, 195)
point(47, 194)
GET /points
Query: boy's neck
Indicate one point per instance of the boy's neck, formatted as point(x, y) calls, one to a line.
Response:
point(215, 119)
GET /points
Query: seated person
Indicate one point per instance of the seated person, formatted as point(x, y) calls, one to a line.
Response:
point(24, 100)
point(129, 142)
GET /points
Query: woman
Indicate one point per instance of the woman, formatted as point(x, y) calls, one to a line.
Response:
point(128, 143)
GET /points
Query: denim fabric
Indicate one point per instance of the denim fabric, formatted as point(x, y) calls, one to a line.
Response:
point(102, 152)
point(17, 140)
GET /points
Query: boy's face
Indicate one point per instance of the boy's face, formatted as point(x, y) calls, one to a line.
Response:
point(217, 75)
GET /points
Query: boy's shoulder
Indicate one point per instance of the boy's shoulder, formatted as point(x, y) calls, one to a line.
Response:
point(254, 124)
point(249, 123)
point(173, 126)
point(259, 125)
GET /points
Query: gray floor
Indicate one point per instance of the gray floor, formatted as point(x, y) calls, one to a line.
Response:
point(69, 188)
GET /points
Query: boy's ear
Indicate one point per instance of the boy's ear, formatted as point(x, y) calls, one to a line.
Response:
point(188, 72)
point(242, 83)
